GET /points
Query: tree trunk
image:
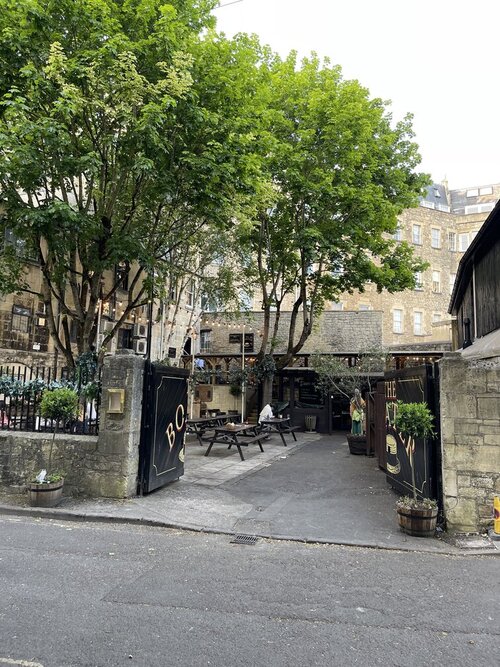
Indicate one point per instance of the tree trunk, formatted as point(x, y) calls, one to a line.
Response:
point(267, 390)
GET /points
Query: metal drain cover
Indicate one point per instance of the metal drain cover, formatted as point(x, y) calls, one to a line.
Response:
point(244, 539)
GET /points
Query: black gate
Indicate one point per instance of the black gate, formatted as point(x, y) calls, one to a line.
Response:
point(413, 385)
point(161, 456)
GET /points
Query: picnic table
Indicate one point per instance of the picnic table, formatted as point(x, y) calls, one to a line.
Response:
point(238, 435)
point(279, 425)
point(199, 425)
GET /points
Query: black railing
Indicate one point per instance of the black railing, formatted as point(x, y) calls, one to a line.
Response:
point(21, 390)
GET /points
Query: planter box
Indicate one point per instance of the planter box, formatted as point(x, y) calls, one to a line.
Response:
point(45, 495)
point(357, 443)
point(417, 522)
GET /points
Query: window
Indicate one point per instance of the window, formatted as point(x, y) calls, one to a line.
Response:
point(437, 193)
point(124, 341)
point(398, 234)
point(246, 299)
point(337, 305)
point(435, 238)
point(436, 282)
point(249, 341)
point(205, 340)
point(19, 245)
point(474, 192)
point(419, 282)
point(121, 275)
point(209, 304)
point(190, 294)
point(21, 319)
point(417, 323)
point(452, 281)
point(417, 234)
point(488, 190)
point(436, 317)
point(452, 241)
point(364, 306)
point(397, 321)
point(463, 242)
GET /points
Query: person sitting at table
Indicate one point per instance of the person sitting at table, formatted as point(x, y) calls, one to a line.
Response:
point(266, 413)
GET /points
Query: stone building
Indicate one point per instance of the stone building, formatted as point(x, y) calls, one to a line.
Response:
point(441, 229)
point(470, 387)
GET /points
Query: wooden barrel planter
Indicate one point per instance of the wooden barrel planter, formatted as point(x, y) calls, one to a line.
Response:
point(45, 495)
point(417, 522)
point(357, 443)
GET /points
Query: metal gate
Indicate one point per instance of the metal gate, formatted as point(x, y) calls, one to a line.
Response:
point(409, 385)
point(164, 410)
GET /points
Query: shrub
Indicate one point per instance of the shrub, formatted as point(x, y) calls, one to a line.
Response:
point(414, 419)
point(59, 404)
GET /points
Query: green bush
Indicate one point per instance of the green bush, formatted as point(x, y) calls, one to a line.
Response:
point(59, 404)
point(414, 419)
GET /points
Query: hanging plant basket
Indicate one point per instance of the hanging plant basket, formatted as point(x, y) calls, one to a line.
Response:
point(357, 443)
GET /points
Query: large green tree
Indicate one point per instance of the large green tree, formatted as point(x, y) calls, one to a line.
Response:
point(338, 173)
point(115, 147)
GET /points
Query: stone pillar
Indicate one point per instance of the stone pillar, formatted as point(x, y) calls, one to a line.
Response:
point(470, 440)
point(119, 432)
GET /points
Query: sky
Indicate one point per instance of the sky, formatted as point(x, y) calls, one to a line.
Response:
point(436, 59)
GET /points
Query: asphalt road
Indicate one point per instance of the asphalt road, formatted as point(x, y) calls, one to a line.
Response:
point(83, 594)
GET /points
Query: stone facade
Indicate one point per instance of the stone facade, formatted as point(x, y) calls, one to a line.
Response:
point(445, 223)
point(334, 333)
point(470, 440)
point(100, 466)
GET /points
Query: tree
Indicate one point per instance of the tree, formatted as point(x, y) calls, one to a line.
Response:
point(336, 375)
point(113, 153)
point(338, 173)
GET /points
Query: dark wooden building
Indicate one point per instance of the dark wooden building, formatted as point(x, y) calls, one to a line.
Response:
point(475, 300)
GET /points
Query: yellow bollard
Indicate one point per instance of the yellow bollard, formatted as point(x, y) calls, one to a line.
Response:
point(496, 515)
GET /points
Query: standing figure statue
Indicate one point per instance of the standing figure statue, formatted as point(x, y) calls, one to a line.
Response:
point(357, 412)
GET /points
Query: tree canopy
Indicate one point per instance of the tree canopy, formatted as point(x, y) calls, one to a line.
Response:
point(115, 149)
point(338, 172)
point(131, 134)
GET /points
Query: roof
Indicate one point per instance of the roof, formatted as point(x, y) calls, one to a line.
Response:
point(483, 348)
point(436, 194)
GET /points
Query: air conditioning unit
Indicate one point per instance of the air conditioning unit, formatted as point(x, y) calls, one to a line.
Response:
point(140, 346)
point(106, 326)
point(140, 331)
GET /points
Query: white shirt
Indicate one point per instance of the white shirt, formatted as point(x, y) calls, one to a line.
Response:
point(266, 413)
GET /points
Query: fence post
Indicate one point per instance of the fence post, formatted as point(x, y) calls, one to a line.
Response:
point(120, 424)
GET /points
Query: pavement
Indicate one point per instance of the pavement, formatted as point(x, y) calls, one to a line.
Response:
point(313, 490)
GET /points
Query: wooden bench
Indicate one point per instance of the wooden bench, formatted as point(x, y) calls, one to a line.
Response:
point(279, 430)
point(238, 443)
point(291, 429)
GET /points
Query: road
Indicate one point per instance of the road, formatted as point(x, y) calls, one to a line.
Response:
point(96, 595)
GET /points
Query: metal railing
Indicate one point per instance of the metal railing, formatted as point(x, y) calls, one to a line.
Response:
point(21, 390)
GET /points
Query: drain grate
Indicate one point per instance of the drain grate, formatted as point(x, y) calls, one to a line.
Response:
point(244, 539)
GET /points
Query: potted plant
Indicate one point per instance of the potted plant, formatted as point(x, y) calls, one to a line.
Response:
point(58, 405)
point(417, 516)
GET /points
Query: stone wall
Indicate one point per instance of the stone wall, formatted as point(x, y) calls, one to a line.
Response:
point(333, 332)
point(102, 466)
point(470, 439)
